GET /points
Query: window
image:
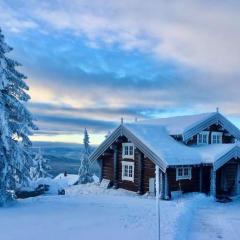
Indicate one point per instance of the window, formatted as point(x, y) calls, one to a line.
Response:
point(128, 150)
point(183, 173)
point(128, 171)
point(216, 137)
point(202, 138)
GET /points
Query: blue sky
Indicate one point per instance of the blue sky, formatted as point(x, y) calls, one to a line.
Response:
point(89, 63)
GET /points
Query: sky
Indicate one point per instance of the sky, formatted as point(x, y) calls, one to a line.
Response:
point(89, 63)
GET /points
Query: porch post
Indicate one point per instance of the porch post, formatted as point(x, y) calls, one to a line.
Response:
point(166, 196)
point(100, 162)
point(140, 172)
point(161, 184)
point(213, 183)
point(115, 166)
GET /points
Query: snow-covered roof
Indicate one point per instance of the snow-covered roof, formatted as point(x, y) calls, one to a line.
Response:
point(153, 138)
point(179, 124)
point(175, 153)
point(189, 125)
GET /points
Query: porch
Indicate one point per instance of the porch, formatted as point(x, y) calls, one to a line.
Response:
point(225, 180)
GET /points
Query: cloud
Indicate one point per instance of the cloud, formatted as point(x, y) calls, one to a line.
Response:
point(199, 34)
point(104, 59)
point(11, 20)
point(67, 124)
point(58, 119)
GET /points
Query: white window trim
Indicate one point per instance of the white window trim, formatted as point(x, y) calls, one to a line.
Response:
point(189, 176)
point(216, 134)
point(123, 151)
point(124, 163)
point(203, 133)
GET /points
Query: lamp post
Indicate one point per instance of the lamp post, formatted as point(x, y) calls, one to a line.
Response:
point(157, 171)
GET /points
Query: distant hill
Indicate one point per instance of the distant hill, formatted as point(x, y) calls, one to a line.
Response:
point(62, 156)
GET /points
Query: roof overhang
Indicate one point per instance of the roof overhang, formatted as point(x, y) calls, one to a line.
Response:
point(214, 119)
point(123, 131)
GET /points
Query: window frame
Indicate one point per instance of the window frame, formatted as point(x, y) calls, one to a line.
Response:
point(217, 134)
point(128, 155)
point(183, 176)
point(203, 133)
point(124, 165)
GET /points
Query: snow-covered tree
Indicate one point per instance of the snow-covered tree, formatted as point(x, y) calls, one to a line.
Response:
point(15, 125)
point(85, 175)
point(40, 167)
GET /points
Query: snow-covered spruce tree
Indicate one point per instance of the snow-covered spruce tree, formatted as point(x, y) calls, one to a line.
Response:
point(85, 175)
point(40, 167)
point(15, 125)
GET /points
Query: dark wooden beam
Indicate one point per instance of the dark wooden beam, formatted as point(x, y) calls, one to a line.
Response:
point(140, 172)
point(115, 166)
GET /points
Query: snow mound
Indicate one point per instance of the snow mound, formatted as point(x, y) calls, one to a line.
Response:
point(69, 179)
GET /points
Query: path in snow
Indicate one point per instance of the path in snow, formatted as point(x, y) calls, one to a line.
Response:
point(214, 220)
point(88, 212)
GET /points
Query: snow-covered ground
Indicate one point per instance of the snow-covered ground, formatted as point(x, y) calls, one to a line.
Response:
point(88, 212)
point(216, 221)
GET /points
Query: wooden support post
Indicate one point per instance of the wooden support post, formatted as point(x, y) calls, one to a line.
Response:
point(166, 195)
point(140, 172)
point(115, 167)
point(100, 162)
point(213, 183)
point(200, 178)
point(161, 185)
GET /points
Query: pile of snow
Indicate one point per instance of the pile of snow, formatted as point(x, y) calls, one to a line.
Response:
point(69, 179)
point(95, 189)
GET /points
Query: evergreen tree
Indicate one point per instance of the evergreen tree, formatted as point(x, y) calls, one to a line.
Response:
point(15, 125)
point(40, 167)
point(85, 175)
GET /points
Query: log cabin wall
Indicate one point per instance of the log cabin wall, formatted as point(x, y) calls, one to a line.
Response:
point(185, 185)
point(206, 179)
point(147, 172)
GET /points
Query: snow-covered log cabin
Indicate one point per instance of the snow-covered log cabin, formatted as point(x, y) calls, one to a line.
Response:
point(195, 153)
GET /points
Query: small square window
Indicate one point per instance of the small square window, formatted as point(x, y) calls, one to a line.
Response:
point(202, 138)
point(128, 150)
point(183, 173)
point(128, 171)
point(216, 137)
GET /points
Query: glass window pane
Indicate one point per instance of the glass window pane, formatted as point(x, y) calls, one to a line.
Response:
point(126, 170)
point(126, 150)
point(130, 171)
point(131, 150)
